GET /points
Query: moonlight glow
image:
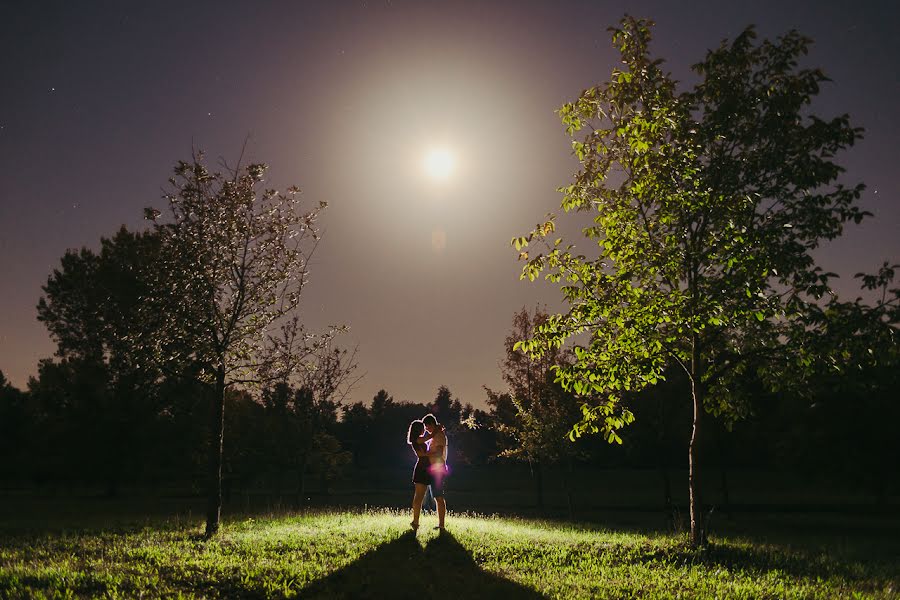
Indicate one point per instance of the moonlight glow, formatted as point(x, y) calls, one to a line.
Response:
point(439, 163)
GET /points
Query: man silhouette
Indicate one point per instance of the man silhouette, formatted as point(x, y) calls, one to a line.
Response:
point(437, 452)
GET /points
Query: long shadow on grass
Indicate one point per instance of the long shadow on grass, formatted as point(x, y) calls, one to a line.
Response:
point(403, 569)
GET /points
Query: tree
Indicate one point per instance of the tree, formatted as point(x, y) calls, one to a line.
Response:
point(299, 425)
point(14, 429)
point(536, 414)
point(381, 402)
point(235, 262)
point(91, 303)
point(356, 432)
point(322, 386)
point(707, 206)
point(93, 308)
point(446, 408)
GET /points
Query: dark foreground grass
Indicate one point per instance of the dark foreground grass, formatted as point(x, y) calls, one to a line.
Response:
point(372, 554)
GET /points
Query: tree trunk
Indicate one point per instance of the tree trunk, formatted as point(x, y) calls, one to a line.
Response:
point(696, 507)
point(216, 444)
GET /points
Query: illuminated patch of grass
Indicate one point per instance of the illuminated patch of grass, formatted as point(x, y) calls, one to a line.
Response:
point(372, 554)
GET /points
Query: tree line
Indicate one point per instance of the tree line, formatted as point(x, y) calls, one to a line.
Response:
point(68, 429)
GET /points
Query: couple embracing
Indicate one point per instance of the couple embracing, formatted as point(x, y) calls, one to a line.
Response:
point(428, 440)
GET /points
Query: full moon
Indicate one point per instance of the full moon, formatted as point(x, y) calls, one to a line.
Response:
point(439, 163)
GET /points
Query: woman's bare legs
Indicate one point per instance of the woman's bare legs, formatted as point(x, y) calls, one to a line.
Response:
point(418, 497)
point(441, 510)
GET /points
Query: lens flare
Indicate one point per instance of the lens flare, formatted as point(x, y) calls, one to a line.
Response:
point(439, 163)
point(438, 240)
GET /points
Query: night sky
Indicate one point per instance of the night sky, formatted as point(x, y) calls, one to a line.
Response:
point(99, 99)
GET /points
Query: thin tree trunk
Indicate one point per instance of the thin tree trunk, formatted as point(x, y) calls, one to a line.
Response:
point(214, 505)
point(696, 507)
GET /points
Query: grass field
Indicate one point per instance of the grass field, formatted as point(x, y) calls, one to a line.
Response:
point(372, 554)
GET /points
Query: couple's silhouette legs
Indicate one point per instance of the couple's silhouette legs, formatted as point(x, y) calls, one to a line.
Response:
point(441, 510)
point(418, 499)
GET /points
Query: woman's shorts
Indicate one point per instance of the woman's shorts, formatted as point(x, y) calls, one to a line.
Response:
point(422, 475)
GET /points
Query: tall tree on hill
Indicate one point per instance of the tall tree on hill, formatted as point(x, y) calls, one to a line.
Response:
point(707, 206)
point(235, 262)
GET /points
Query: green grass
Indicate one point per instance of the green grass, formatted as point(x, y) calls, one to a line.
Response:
point(345, 554)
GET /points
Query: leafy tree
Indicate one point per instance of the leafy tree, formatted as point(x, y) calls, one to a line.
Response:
point(449, 413)
point(356, 432)
point(91, 306)
point(254, 449)
point(381, 403)
point(707, 204)
point(78, 436)
point(14, 428)
point(313, 416)
point(92, 302)
point(474, 441)
point(535, 415)
point(289, 434)
point(235, 262)
point(446, 408)
point(328, 459)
